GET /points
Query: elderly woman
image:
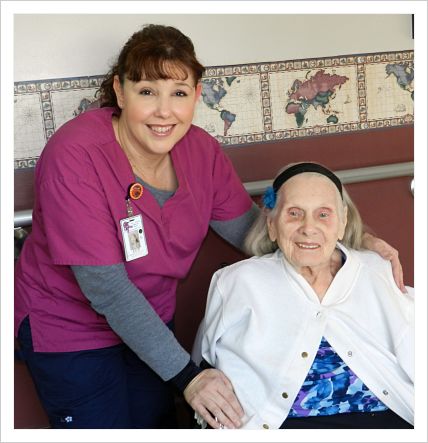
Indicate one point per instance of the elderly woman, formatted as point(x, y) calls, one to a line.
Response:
point(312, 332)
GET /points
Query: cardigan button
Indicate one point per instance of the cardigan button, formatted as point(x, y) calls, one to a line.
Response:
point(349, 353)
point(304, 354)
point(385, 392)
point(284, 395)
point(265, 426)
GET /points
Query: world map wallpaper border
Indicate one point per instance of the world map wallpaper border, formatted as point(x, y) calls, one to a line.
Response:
point(248, 103)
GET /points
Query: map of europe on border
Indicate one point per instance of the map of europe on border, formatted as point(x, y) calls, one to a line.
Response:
point(309, 98)
point(230, 105)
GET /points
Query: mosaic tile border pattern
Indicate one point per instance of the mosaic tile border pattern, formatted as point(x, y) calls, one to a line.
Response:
point(46, 89)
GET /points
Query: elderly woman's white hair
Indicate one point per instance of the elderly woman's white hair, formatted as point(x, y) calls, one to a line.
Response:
point(257, 241)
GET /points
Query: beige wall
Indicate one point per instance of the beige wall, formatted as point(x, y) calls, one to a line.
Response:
point(68, 45)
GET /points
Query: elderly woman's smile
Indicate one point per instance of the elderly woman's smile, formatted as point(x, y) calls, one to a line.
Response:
point(308, 245)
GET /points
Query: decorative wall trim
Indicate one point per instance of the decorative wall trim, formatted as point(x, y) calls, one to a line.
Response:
point(251, 103)
point(42, 106)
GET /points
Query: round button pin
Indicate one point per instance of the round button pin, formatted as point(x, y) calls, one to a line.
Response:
point(135, 191)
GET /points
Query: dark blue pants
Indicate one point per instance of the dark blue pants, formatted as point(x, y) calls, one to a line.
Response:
point(101, 388)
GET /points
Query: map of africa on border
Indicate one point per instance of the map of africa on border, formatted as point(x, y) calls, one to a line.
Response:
point(230, 105)
point(313, 98)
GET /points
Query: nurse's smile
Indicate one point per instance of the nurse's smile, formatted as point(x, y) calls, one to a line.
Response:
point(161, 131)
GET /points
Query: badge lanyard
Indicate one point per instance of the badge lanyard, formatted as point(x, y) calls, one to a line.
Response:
point(134, 239)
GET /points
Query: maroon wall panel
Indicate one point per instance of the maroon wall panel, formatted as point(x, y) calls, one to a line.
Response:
point(24, 189)
point(348, 151)
point(28, 410)
point(387, 207)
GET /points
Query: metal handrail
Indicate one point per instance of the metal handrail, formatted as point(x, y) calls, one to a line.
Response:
point(24, 218)
point(347, 176)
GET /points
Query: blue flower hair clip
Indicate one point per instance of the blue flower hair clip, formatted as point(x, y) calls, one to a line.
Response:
point(269, 198)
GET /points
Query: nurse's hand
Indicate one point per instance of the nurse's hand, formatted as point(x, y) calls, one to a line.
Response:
point(211, 395)
point(387, 252)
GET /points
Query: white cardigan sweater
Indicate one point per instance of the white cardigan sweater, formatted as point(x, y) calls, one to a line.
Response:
point(264, 323)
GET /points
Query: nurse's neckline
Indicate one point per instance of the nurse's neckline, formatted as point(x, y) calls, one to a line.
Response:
point(164, 177)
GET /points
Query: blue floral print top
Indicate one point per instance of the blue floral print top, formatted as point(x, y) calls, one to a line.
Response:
point(332, 388)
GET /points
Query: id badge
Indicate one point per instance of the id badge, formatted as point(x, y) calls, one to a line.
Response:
point(134, 239)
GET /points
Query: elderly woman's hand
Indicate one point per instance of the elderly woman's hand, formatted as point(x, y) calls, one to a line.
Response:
point(387, 252)
point(211, 395)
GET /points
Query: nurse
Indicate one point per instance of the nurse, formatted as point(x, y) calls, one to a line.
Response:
point(125, 195)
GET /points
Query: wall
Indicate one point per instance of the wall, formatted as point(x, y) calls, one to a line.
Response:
point(50, 46)
point(68, 45)
point(48, 94)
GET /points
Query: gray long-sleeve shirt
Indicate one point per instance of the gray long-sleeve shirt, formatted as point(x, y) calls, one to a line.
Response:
point(112, 294)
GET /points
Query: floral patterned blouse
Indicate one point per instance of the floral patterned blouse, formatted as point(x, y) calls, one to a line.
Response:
point(332, 388)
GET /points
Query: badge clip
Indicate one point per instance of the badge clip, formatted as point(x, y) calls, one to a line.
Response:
point(129, 210)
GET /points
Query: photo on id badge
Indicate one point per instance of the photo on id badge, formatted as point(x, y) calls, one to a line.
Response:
point(134, 240)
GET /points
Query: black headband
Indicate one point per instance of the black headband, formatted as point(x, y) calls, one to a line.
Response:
point(306, 167)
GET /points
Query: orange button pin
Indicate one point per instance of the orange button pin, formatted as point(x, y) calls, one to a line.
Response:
point(135, 191)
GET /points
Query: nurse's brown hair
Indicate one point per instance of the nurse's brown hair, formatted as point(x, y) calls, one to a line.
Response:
point(153, 53)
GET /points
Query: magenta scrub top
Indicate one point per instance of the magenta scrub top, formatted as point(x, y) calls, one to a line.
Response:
point(81, 182)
